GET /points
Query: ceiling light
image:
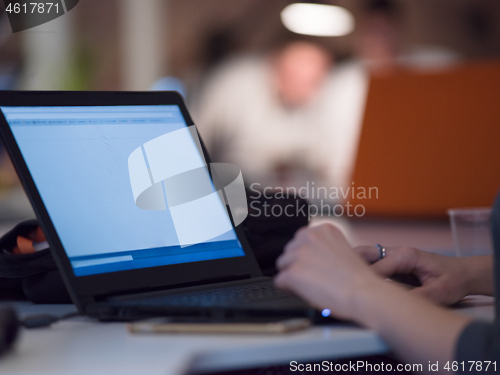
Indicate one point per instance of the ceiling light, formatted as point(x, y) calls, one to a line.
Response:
point(317, 19)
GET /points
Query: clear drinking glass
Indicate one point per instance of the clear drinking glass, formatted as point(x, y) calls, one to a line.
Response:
point(471, 231)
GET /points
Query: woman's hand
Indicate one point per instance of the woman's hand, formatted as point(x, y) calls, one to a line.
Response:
point(445, 280)
point(321, 267)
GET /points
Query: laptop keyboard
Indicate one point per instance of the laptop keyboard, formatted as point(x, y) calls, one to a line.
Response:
point(230, 296)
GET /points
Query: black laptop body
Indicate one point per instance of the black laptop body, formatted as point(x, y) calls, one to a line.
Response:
point(119, 261)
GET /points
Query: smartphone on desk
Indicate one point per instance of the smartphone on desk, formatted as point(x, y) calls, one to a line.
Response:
point(166, 325)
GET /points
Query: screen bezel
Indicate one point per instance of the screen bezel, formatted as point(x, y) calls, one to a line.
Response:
point(87, 289)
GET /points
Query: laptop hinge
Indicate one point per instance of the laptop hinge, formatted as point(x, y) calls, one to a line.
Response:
point(152, 290)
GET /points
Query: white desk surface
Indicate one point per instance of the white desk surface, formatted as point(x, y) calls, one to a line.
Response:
point(81, 346)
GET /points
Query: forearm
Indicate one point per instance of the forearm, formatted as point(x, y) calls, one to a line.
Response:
point(414, 328)
point(479, 274)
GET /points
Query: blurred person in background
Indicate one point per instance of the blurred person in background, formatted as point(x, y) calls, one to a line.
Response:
point(381, 46)
point(13, 202)
point(379, 49)
point(293, 116)
point(10, 55)
point(275, 116)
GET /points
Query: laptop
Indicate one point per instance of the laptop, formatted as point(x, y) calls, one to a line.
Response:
point(430, 142)
point(110, 177)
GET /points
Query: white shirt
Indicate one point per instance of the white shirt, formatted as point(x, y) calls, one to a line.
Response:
point(242, 121)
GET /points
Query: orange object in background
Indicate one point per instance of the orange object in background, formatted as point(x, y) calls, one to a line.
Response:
point(431, 141)
point(25, 244)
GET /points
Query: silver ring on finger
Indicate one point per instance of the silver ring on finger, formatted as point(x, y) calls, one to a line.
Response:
point(381, 251)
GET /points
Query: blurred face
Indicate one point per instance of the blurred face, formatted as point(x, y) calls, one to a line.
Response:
point(378, 42)
point(301, 68)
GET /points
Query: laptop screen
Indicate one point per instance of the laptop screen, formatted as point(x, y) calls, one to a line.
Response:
point(91, 165)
